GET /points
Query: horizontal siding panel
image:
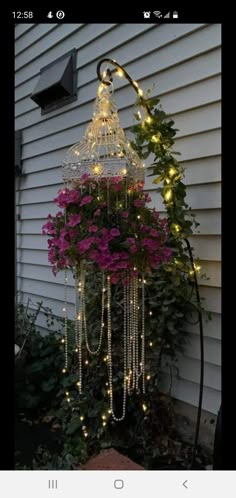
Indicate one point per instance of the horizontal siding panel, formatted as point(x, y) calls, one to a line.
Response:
point(197, 172)
point(199, 145)
point(198, 120)
point(189, 369)
point(37, 211)
point(43, 43)
point(189, 393)
point(212, 349)
point(21, 29)
point(42, 270)
point(190, 122)
point(212, 269)
point(89, 32)
point(195, 95)
point(32, 257)
point(154, 61)
point(30, 225)
point(186, 73)
point(206, 247)
point(55, 306)
point(191, 147)
point(42, 273)
point(203, 244)
point(212, 298)
point(31, 37)
point(210, 222)
point(207, 196)
point(204, 196)
point(211, 328)
point(121, 35)
point(205, 170)
point(46, 289)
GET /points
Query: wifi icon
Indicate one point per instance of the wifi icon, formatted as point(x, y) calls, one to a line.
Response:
point(157, 13)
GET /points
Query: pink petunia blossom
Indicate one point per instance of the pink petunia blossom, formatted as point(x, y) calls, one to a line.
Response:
point(97, 213)
point(147, 198)
point(138, 203)
point(115, 232)
point(74, 219)
point(125, 214)
point(114, 278)
point(115, 180)
point(154, 232)
point(86, 200)
point(84, 245)
point(93, 228)
point(66, 197)
point(130, 240)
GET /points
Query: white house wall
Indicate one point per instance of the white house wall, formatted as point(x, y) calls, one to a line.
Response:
point(183, 61)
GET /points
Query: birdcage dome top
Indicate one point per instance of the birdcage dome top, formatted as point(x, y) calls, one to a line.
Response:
point(104, 150)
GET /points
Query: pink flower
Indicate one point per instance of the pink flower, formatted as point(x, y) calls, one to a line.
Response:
point(67, 196)
point(125, 214)
point(154, 232)
point(144, 228)
point(117, 187)
point(133, 249)
point(147, 198)
point(93, 228)
point(84, 178)
point(150, 244)
point(167, 253)
point(86, 200)
point(130, 240)
point(122, 265)
point(115, 179)
point(114, 232)
point(138, 203)
point(84, 245)
point(114, 278)
point(48, 229)
point(74, 219)
point(97, 213)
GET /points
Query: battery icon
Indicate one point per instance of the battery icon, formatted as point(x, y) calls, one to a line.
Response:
point(175, 15)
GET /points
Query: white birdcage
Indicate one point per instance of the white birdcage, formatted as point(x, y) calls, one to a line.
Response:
point(104, 151)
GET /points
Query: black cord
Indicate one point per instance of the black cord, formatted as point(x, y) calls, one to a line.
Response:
point(108, 74)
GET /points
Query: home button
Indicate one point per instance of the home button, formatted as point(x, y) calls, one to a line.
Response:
point(118, 484)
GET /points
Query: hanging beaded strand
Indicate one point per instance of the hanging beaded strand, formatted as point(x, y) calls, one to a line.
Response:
point(65, 323)
point(109, 341)
point(97, 350)
point(143, 335)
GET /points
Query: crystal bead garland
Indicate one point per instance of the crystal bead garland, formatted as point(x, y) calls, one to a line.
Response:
point(81, 320)
point(133, 368)
point(109, 342)
point(65, 339)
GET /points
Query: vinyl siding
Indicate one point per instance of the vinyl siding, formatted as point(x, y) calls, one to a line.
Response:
point(183, 61)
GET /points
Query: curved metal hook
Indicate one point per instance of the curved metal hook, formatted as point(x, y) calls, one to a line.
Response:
point(126, 75)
